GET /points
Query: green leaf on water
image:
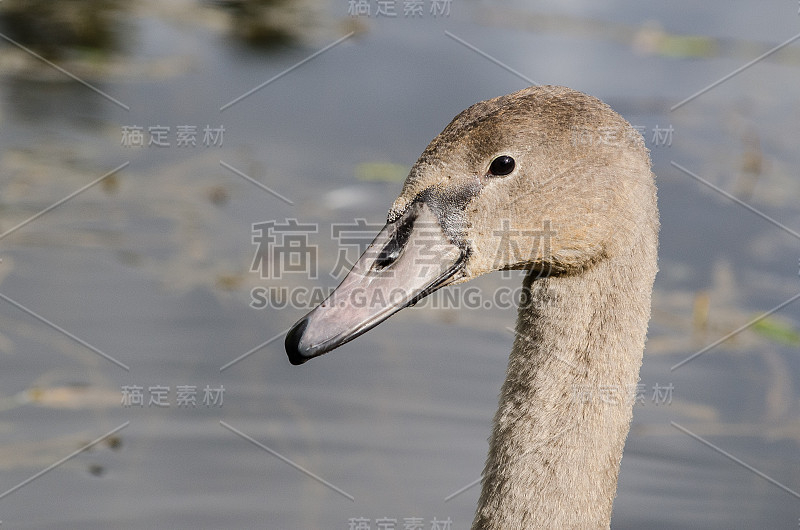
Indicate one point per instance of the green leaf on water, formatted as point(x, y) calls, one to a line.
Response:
point(381, 172)
point(684, 46)
point(777, 330)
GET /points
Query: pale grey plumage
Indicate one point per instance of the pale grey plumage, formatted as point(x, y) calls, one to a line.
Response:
point(566, 406)
point(578, 212)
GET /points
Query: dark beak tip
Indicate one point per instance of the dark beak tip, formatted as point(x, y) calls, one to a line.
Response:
point(292, 344)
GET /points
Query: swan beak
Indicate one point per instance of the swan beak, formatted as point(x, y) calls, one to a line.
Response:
point(410, 258)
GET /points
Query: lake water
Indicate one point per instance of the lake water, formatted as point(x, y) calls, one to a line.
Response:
point(141, 285)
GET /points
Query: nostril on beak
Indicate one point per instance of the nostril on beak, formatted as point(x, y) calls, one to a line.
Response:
point(394, 248)
point(388, 255)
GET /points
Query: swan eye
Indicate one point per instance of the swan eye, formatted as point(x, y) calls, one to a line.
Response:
point(501, 166)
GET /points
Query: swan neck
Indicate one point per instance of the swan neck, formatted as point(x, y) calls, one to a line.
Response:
point(566, 405)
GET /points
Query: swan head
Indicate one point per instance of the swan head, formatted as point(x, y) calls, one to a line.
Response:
point(546, 179)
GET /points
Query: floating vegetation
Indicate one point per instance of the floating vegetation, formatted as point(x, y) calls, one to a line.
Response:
point(268, 23)
point(54, 29)
point(648, 38)
point(76, 396)
point(651, 39)
point(381, 172)
point(218, 195)
point(778, 331)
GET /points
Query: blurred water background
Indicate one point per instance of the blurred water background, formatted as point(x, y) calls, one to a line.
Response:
point(144, 279)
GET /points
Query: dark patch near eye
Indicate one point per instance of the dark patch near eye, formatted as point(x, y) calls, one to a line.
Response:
point(501, 166)
point(448, 204)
